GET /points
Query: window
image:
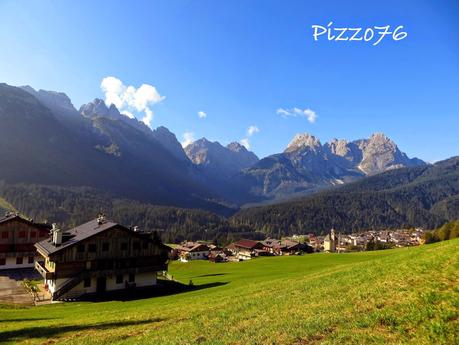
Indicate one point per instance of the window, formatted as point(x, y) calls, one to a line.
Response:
point(131, 277)
point(124, 246)
point(2, 261)
point(119, 279)
point(136, 245)
point(5, 234)
point(92, 248)
point(80, 248)
point(22, 234)
point(105, 246)
point(87, 282)
point(30, 260)
point(19, 260)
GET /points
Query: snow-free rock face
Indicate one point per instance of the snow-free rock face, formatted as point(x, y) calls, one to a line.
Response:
point(98, 108)
point(58, 102)
point(170, 142)
point(218, 160)
point(303, 142)
point(379, 153)
point(306, 165)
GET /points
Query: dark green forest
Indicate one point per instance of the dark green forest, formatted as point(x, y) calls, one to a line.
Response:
point(73, 206)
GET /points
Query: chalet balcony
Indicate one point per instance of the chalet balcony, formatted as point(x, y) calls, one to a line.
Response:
point(40, 267)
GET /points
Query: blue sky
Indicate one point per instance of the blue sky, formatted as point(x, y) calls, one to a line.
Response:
point(239, 61)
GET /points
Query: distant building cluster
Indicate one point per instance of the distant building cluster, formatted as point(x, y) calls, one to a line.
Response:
point(332, 242)
point(241, 250)
point(336, 242)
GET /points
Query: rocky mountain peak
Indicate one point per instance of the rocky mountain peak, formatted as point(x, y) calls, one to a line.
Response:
point(236, 147)
point(302, 141)
point(95, 108)
point(219, 160)
point(338, 147)
point(51, 99)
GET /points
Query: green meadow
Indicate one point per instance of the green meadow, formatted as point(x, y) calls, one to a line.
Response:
point(408, 295)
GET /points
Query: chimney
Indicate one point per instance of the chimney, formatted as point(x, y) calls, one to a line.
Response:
point(101, 218)
point(57, 235)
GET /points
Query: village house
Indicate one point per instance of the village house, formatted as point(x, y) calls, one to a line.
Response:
point(188, 251)
point(246, 249)
point(285, 247)
point(218, 256)
point(17, 238)
point(99, 256)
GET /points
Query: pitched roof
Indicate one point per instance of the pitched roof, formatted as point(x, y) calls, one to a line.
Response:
point(249, 244)
point(15, 216)
point(75, 235)
point(192, 247)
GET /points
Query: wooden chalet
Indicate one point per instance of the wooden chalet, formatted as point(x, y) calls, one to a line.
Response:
point(18, 236)
point(246, 249)
point(188, 251)
point(285, 247)
point(99, 256)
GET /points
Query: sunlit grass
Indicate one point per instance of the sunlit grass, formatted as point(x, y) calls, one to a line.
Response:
point(397, 296)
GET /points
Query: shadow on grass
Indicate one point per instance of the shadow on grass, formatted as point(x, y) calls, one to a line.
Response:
point(27, 319)
point(163, 288)
point(211, 275)
point(50, 331)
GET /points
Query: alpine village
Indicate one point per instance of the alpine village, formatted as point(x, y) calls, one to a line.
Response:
point(229, 172)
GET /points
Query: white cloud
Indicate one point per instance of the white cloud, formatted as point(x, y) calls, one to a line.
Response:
point(252, 130)
point(128, 114)
point(309, 114)
point(188, 138)
point(129, 99)
point(202, 115)
point(245, 142)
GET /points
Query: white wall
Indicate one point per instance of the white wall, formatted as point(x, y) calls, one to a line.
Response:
point(198, 255)
point(11, 263)
point(141, 280)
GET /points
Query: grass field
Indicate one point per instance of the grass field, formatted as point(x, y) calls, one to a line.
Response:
point(408, 295)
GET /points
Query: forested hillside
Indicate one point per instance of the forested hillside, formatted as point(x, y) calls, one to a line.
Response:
point(73, 206)
point(425, 196)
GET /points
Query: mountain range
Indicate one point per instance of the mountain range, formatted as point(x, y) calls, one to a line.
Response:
point(45, 140)
point(65, 165)
point(424, 196)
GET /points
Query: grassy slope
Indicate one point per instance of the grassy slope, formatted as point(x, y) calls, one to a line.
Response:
point(405, 295)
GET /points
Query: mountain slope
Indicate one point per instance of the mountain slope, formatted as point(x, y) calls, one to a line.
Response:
point(219, 161)
point(425, 196)
point(307, 166)
point(37, 146)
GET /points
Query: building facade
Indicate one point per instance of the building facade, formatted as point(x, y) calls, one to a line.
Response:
point(246, 249)
point(331, 242)
point(99, 256)
point(193, 251)
point(18, 236)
